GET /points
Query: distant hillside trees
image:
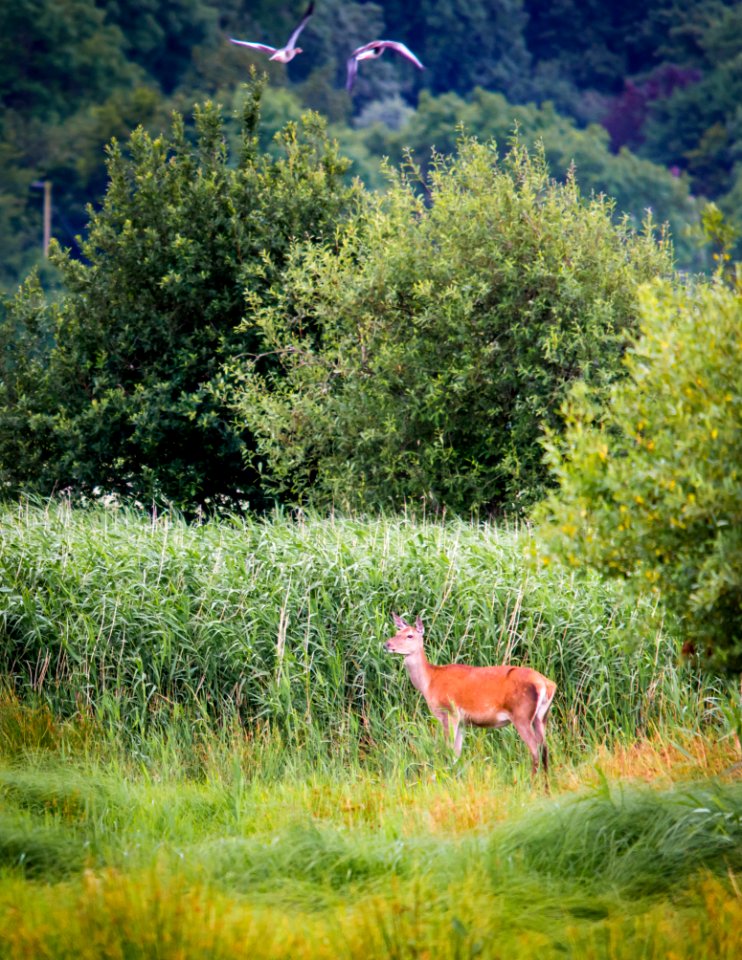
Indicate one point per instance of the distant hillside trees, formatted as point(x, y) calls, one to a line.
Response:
point(161, 37)
point(56, 56)
point(698, 126)
point(75, 73)
point(55, 59)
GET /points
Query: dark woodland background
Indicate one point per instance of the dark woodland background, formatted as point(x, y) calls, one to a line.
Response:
point(602, 84)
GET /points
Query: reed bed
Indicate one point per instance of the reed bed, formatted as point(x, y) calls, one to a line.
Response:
point(280, 624)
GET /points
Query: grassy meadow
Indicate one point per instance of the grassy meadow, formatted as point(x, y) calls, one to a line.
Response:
point(205, 751)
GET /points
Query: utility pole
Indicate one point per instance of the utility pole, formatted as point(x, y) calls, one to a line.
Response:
point(46, 185)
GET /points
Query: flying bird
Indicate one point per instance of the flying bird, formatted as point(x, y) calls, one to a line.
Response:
point(372, 51)
point(281, 54)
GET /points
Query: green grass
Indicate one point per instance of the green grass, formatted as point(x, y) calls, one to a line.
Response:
point(103, 854)
point(204, 750)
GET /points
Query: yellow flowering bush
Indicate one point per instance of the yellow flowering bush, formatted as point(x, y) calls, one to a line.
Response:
point(650, 481)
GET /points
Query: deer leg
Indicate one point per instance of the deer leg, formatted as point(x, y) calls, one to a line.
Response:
point(528, 736)
point(443, 717)
point(458, 739)
point(523, 719)
point(540, 731)
point(539, 726)
point(452, 730)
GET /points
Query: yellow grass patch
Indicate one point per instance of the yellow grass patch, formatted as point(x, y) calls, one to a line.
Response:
point(658, 760)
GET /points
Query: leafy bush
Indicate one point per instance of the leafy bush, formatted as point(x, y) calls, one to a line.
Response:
point(116, 385)
point(650, 486)
point(633, 182)
point(421, 354)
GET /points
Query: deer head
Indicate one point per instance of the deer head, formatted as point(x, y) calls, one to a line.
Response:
point(408, 639)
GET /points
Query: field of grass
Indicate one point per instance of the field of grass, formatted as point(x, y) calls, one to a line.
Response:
point(107, 852)
point(204, 751)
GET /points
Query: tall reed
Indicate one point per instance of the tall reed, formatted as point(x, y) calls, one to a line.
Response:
point(135, 619)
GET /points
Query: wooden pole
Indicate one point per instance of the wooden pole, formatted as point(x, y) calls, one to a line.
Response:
point(47, 215)
point(46, 186)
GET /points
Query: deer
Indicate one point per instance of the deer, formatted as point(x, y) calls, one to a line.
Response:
point(459, 695)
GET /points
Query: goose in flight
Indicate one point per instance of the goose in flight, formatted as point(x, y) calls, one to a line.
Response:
point(281, 54)
point(372, 51)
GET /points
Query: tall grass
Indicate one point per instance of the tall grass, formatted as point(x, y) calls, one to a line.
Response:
point(138, 862)
point(306, 838)
point(280, 623)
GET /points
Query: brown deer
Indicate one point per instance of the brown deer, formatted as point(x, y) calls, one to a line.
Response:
point(459, 695)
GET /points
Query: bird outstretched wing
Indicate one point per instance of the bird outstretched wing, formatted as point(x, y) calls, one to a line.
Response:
point(401, 49)
point(373, 50)
point(295, 35)
point(264, 48)
point(352, 66)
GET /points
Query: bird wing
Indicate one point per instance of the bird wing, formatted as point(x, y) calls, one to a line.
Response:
point(401, 49)
point(295, 35)
point(254, 46)
point(352, 71)
point(374, 45)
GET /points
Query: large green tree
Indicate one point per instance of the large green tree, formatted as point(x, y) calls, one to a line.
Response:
point(422, 351)
point(118, 385)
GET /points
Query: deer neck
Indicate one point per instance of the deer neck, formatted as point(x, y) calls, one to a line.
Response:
point(419, 670)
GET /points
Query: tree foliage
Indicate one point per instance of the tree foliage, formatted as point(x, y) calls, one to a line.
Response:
point(421, 353)
point(125, 394)
point(698, 126)
point(634, 183)
point(161, 37)
point(650, 485)
point(55, 56)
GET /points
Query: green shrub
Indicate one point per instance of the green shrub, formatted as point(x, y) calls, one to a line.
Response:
point(633, 182)
point(650, 484)
point(422, 352)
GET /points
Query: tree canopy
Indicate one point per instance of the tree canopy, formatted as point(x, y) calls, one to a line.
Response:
point(422, 350)
point(115, 388)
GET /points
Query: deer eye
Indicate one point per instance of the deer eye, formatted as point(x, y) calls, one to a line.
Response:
point(409, 636)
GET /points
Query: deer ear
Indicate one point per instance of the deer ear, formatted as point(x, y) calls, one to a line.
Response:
point(419, 625)
point(398, 621)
